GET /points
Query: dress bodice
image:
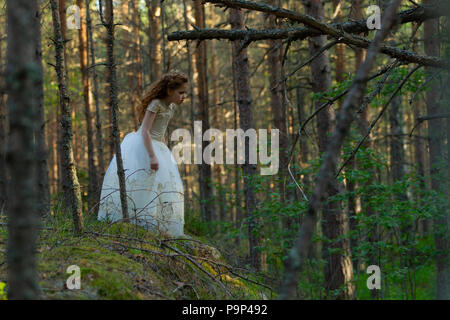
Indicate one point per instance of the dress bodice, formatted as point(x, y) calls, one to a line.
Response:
point(163, 115)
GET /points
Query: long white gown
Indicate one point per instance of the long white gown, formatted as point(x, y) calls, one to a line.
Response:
point(155, 198)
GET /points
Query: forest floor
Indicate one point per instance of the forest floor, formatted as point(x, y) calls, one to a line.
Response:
point(122, 261)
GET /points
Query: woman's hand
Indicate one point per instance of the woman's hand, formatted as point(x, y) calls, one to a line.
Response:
point(154, 164)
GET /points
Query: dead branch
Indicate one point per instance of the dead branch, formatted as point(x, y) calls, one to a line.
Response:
point(274, 34)
point(334, 30)
point(417, 14)
point(318, 53)
point(436, 116)
point(426, 118)
point(192, 260)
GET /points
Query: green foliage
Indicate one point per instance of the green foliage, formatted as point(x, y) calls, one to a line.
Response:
point(386, 231)
point(2, 292)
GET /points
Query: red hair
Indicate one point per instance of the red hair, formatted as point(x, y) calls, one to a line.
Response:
point(159, 89)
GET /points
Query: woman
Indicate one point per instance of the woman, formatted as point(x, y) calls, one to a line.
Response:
point(153, 183)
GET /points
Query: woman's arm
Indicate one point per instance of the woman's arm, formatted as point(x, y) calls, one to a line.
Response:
point(146, 126)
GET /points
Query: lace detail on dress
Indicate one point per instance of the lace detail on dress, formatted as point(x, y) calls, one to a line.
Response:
point(163, 115)
point(154, 106)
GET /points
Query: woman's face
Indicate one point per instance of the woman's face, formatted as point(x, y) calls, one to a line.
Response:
point(178, 95)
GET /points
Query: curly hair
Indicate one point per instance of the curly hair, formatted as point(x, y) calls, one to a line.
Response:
point(159, 89)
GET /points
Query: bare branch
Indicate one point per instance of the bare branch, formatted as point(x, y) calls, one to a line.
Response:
point(318, 53)
point(419, 14)
point(337, 31)
point(426, 118)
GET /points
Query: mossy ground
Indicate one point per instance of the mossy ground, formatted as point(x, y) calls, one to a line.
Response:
point(122, 261)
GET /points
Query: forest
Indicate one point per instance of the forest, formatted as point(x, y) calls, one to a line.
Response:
point(353, 96)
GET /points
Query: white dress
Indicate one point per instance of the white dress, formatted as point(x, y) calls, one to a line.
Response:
point(155, 198)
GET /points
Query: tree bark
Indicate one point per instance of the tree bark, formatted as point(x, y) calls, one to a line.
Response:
point(189, 184)
point(137, 66)
point(3, 138)
point(206, 191)
point(278, 109)
point(338, 269)
point(333, 30)
point(98, 124)
point(244, 98)
point(437, 166)
point(42, 153)
point(23, 78)
point(217, 124)
point(113, 104)
point(110, 140)
point(397, 152)
point(154, 38)
point(357, 14)
point(93, 185)
point(237, 177)
point(63, 23)
point(340, 47)
point(71, 187)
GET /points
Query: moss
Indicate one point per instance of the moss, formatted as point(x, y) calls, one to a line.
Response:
point(99, 271)
point(122, 261)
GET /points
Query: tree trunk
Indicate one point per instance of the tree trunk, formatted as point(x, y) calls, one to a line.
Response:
point(93, 187)
point(71, 186)
point(396, 143)
point(340, 47)
point(3, 137)
point(206, 191)
point(23, 75)
point(98, 124)
point(278, 110)
point(137, 67)
point(437, 169)
point(237, 178)
point(113, 104)
point(304, 154)
point(63, 24)
point(363, 124)
point(42, 153)
point(132, 46)
point(360, 53)
point(338, 269)
point(189, 184)
point(110, 140)
point(244, 98)
point(154, 38)
point(216, 122)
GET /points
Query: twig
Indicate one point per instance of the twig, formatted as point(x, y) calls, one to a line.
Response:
point(425, 118)
point(369, 130)
point(427, 81)
point(199, 267)
point(318, 53)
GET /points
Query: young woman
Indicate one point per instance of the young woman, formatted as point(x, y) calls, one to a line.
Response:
point(153, 183)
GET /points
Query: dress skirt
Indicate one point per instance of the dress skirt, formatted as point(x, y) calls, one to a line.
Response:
point(155, 198)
